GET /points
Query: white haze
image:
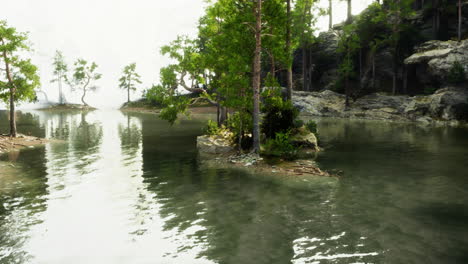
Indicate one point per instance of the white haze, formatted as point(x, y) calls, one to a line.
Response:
point(113, 33)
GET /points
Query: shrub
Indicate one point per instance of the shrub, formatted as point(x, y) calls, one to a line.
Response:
point(240, 123)
point(279, 116)
point(312, 126)
point(456, 74)
point(212, 128)
point(280, 146)
point(298, 123)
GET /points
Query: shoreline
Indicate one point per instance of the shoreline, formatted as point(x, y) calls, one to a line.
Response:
point(192, 110)
point(9, 144)
point(258, 165)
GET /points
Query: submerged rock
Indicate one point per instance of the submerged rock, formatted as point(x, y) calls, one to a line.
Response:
point(214, 144)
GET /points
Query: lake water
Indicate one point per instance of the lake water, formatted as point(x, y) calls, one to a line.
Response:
point(129, 188)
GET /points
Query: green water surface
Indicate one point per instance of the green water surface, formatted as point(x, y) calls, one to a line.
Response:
point(129, 188)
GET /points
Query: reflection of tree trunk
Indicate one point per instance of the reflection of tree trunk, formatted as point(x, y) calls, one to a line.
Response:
point(12, 114)
point(256, 77)
point(330, 14)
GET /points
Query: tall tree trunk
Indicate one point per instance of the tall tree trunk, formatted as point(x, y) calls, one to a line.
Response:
point(348, 17)
point(12, 93)
point(304, 67)
point(373, 70)
point(288, 52)
point(256, 77)
point(273, 67)
point(330, 14)
point(60, 88)
point(435, 19)
point(128, 95)
point(405, 79)
point(12, 114)
point(394, 78)
point(347, 92)
point(459, 19)
point(82, 98)
point(303, 45)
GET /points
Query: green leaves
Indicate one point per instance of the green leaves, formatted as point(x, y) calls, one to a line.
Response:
point(129, 78)
point(18, 75)
point(84, 74)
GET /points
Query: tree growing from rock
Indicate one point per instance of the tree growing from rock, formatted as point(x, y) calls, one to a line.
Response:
point(18, 76)
point(84, 74)
point(130, 78)
point(60, 73)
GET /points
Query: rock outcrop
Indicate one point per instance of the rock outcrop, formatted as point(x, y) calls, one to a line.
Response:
point(214, 144)
point(436, 58)
point(449, 104)
point(305, 138)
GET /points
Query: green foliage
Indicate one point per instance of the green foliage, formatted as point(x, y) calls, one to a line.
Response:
point(298, 123)
point(348, 46)
point(212, 128)
point(60, 67)
point(240, 124)
point(172, 103)
point(271, 82)
point(60, 73)
point(279, 114)
point(22, 76)
point(312, 126)
point(129, 79)
point(280, 146)
point(84, 74)
point(457, 73)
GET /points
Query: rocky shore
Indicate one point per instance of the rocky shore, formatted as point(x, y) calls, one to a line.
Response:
point(8, 144)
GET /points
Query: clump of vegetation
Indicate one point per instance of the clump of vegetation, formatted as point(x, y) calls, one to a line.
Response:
point(456, 74)
point(280, 146)
point(280, 115)
point(212, 128)
point(240, 124)
point(312, 126)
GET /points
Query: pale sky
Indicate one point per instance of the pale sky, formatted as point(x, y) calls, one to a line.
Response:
point(112, 33)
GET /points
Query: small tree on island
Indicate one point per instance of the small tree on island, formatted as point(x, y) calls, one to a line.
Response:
point(18, 76)
point(129, 79)
point(83, 76)
point(60, 73)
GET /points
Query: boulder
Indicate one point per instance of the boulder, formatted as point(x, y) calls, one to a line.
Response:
point(305, 138)
point(326, 103)
point(214, 144)
point(436, 58)
point(449, 104)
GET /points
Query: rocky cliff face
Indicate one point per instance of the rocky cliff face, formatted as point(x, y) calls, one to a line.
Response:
point(434, 60)
point(448, 105)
